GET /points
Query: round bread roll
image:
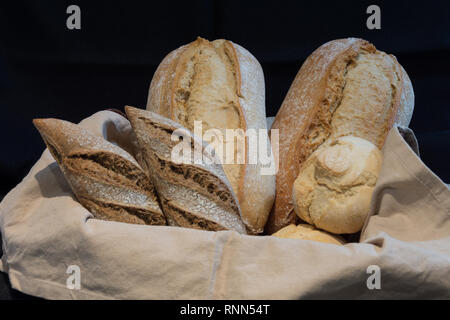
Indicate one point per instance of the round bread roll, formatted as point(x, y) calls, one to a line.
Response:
point(307, 232)
point(334, 187)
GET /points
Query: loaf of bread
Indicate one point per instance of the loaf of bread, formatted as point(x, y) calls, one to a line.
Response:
point(220, 84)
point(193, 194)
point(104, 178)
point(346, 87)
point(307, 232)
point(334, 187)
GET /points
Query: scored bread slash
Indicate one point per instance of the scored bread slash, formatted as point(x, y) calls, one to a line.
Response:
point(104, 178)
point(192, 194)
point(345, 87)
point(221, 85)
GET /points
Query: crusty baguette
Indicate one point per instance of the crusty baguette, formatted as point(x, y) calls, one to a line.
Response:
point(222, 85)
point(346, 87)
point(104, 178)
point(192, 195)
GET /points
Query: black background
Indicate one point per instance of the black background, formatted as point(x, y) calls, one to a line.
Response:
point(47, 70)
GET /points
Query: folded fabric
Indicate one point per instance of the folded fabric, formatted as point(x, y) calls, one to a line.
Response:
point(53, 248)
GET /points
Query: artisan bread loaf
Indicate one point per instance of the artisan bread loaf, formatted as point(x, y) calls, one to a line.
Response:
point(307, 232)
point(346, 87)
point(104, 178)
point(334, 186)
point(193, 194)
point(221, 85)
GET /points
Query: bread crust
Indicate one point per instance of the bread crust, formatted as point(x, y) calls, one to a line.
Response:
point(193, 195)
point(307, 232)
point(255, 192)
point(304, 119)
point(333, 189)
point(106, 179)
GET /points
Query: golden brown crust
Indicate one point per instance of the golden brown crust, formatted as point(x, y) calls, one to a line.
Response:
point(180, 66)
point(335, 185)
point(160, 91)
point(243, 124)
point(254, 192)
point(307, 232)
point(305, 118)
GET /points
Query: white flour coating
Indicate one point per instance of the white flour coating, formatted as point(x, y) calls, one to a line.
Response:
point(199, 205)
point(182, 196)
point(159, 101)
point(78, 138)
point(293, 112)
point(112, 194)
point(68, 138)
point(257, 190)
point(300, 100)
point(165, 151)
point(405, 113)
